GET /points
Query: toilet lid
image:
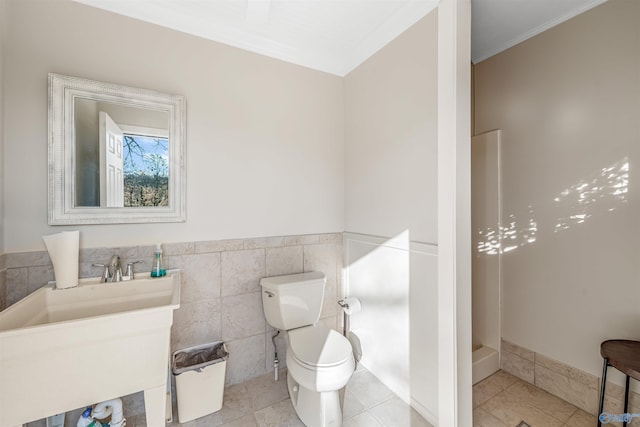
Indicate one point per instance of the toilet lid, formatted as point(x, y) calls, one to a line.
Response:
point(319, 346)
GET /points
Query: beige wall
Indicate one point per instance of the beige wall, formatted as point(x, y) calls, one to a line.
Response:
point(391, 202)
point(391, 138)
point(264, 137)
point(567, 103)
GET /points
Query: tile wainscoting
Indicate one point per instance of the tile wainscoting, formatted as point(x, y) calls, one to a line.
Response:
point(566, 382)
point(221, 297)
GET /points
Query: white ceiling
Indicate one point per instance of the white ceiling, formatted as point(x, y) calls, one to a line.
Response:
point(499, 24)
point(336, 36)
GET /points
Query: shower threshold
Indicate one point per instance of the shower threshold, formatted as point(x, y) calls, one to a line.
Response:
point(486, 361)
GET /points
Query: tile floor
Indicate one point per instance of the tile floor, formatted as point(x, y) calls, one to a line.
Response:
point(262, 402)
point(503, 400)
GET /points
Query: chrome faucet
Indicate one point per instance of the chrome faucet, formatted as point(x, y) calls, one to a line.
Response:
point(116, 269)
point(112, 272)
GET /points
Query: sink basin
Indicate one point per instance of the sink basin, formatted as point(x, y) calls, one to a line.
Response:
point(62, 349)
point(91, 298)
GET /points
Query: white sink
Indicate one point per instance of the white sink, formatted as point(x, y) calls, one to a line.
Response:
point(61, 349)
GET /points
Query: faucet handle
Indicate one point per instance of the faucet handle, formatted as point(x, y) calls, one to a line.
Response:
point(106, 275)
point(129, 274)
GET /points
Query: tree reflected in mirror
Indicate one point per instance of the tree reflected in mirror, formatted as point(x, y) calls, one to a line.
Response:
point(146, 171)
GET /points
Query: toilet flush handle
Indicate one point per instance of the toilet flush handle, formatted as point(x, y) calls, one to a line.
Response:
point(269, 294)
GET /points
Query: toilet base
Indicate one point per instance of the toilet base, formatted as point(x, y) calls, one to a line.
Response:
point(315, 409)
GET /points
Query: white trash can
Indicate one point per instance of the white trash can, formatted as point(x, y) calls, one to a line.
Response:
point(199, 373)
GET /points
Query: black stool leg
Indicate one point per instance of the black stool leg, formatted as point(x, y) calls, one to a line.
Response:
point(604, 381)
point(626, 399)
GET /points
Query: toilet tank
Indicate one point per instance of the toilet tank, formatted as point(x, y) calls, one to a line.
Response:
point(294, 300)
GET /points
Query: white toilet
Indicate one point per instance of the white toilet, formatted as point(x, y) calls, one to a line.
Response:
point(320, 360)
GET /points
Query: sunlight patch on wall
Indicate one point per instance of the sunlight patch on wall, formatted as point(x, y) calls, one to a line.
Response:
point(601, 192)
point(515, 237)
point(506, 238)
point(396, 281)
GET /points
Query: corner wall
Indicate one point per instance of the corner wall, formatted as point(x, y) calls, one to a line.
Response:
point(390, 138)
point(391, 213)
point(567, 103)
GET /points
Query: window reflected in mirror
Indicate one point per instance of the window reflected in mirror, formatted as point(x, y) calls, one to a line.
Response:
point(146, 170)
point(122, 155)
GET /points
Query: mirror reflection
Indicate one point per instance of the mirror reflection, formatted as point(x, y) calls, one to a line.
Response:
point(122, 155)
point(116, 153)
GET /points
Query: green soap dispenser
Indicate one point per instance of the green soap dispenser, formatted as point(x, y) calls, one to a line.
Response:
point(157, 269)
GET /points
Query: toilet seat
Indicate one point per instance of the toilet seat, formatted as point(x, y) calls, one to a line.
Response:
point(319, 347)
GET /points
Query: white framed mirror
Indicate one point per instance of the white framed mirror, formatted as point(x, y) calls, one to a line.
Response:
point(116, 153)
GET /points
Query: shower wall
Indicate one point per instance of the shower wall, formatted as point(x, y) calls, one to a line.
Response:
point(486, 239)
